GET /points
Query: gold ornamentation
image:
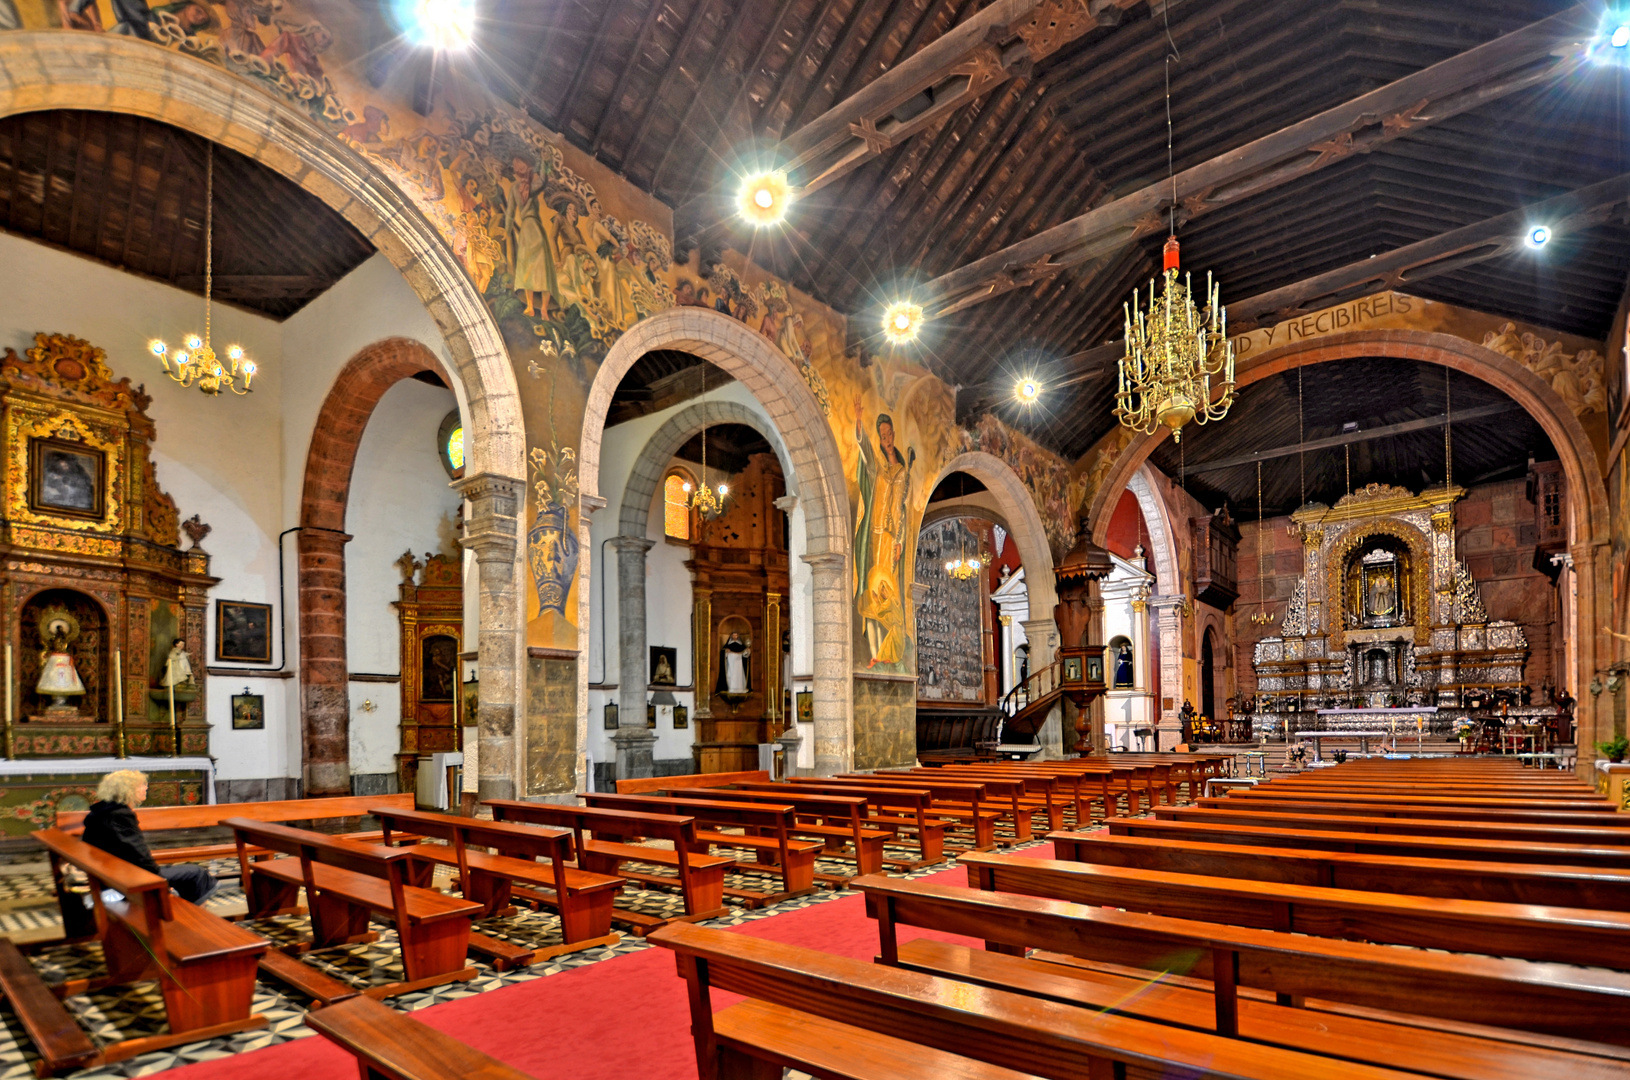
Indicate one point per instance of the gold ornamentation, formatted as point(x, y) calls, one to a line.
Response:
point(61, 365)
point(1469, 608)
point(36, 423)
point(1173, 352)
point(1443, 521)
point(1420, 557)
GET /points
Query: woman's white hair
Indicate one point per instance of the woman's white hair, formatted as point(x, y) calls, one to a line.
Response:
point(121, 786)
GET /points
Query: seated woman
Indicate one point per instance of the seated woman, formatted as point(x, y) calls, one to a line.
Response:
point(111, 826)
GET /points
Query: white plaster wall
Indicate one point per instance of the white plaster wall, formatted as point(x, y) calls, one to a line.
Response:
point(399, 502)
point(1125, 710)
point(667, 585)
point(239, 462)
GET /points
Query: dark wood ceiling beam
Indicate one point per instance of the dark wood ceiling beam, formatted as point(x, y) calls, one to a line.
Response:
point(1526, 58)
point(1425, 423)
point(953, 180)
point(1035, 150)
point(1492, 238)
point(701, 15)
point(870, 64)
point(853, 27)
point(688, 117)
point(1036, 183)
point(783, 85)
point(567, 108)
point(959, 67)
point(610, 110)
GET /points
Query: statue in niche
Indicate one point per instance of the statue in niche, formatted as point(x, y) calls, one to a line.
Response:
point(177, 668)
point(1383, 594)
point(58, 677)
point(1123, 666)
point(734, 677)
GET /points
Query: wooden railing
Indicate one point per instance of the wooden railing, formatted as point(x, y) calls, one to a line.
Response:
point(1034, 687)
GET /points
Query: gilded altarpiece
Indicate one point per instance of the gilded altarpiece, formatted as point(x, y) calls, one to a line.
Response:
point(739, 580)
point(1385, 616)
point(92, 568)
point(431, 611)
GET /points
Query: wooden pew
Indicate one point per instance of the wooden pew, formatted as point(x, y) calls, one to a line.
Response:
point(1406, 798)
point(768, 834)
point(1428, 847)
point(390, 1045)
point(656, 785)
point(960, 803)
point(1296, 805)
point(155, 821)
point(837, 821)
point(1003, 793)
point(1456, 879)
point(345, 882)
point(1445, 1050)
point(205, 965)
point(895, 810)
point(582, 899)
point(699, 876)
point(1400, 826)
point(1028, 793)
point(836, 1017)
point(1530, 932)
point(1550, 999)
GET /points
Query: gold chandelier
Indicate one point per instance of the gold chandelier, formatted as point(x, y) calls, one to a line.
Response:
point(1173, 354)
point(705, 500)
point(963, 568)
point(197, 363)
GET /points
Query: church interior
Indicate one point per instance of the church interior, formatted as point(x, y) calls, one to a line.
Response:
point(1009, 538)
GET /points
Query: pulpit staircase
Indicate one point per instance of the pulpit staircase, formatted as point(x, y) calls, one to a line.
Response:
point(1030, 701)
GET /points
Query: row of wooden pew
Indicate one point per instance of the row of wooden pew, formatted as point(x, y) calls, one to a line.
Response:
point(1344, 923)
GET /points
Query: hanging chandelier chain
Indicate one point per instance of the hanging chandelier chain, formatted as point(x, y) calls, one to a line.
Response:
point(209, 233)
point(1301, 441)
point(1448, 445)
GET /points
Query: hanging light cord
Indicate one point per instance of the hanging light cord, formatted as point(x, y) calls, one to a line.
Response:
point(209, 231)
point(1171, 173)
point(1301, 440)
point(1448, 446)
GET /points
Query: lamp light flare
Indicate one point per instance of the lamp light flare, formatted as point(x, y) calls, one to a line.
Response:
point(1028, 391)
point(902, 322)
point(1539, 236)
point(764, 198)
point(1621, 36)
point(446, 25)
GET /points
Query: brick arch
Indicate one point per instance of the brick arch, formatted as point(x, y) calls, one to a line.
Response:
point(1589, 518)
point(55, 69)
point(325, 704)
point(816, 475)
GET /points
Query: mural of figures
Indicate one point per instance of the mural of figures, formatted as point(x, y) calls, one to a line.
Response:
point(780, 322)
point(885, 500)
point(552, 544)
point(1578, 378)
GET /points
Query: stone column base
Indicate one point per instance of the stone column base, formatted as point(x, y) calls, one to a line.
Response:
point(635, 751)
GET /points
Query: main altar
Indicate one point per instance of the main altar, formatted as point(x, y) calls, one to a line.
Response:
point(1385, 617)
point(102, 609)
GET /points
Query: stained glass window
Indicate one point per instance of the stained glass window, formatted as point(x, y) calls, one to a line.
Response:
point(455, 447)
point(676, 491)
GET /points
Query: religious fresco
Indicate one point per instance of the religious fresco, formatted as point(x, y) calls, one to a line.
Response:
point(1055, 491)
point(1577, 377)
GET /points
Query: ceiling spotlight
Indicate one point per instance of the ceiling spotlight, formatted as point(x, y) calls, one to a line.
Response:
point(764, 198)
point(1027, 391)
point(902, 321)
point(1621, 36)
point(446, 25)
point(1539, 236)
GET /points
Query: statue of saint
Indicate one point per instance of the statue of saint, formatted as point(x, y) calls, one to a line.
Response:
point(733, 674)
point(58, 677)
point(1123, 666)
point(177, 668)
point(1383, 594)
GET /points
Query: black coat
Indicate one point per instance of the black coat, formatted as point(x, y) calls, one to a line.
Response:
point(112, 827)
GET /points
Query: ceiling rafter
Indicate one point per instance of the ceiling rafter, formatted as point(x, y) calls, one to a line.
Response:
point(609, 109)
point(1537, 54)
point(700, 17)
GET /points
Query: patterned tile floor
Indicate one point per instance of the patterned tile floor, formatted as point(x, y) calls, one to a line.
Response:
point(28, 911)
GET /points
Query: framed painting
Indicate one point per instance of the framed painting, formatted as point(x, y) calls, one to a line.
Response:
point(67, 479)
point(806, 706)
point(681, 718)
point(1095, 668)
point(650, 716)
point(1072, 669)
point(664, 665)
point(243, 631)
point(610, 721)
point(248, 711)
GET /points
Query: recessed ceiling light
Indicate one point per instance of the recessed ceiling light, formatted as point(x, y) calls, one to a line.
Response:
point(447, 25)
point(1539, 236)
point(1621, 36)
point(764, 198)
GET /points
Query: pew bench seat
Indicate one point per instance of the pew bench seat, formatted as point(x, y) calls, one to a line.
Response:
point(423, 906)
point(389, 1045)
point(771, 1038)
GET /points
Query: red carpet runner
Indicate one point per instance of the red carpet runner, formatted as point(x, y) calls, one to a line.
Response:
point(615, 1020)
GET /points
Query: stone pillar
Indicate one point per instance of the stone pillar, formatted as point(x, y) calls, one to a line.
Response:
point(634, 740)
point(834, 726)
point(1169, 624)
point(491, 533)
point(1140, 642)
point(1043, 637)
point(1592, 606)
point(325, 692)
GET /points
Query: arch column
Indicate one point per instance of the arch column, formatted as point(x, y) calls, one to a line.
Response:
point(634, 740)
point(325, 682)
point(834, 726)
point(491, 533)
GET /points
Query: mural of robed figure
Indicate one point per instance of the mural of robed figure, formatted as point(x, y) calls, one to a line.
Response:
point(885, 495)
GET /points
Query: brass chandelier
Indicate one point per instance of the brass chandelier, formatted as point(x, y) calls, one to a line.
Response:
point(197, 363)
point(963, 568)
point(705, 500)
point(1174, 351)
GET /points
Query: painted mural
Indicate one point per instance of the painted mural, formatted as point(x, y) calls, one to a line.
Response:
point(1056, 492)
point(1576, 377)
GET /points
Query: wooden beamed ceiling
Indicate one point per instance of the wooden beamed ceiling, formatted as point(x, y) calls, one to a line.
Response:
point(676, 93)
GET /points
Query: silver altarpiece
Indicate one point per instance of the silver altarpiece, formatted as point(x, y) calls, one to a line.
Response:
point(1385, 617)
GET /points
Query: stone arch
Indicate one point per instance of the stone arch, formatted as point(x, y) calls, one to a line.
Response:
point(325, 705)
point(1023, 524)
point(1163, 551)
point(634, 516)
point(1589, 519)
point(51, 69)
point(816, 465)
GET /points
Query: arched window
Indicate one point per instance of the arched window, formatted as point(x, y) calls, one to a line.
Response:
point(676, 492)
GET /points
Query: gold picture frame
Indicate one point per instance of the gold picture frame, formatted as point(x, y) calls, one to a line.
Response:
point(67, 479)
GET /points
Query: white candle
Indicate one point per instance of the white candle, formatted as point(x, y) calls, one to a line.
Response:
point(118, 686)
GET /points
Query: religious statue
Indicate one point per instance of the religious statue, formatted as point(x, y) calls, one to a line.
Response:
point(1383, 594)
point(58, 677)
point(1123, 666)
point(664, 672)
point(734, 677)
point(177, 668)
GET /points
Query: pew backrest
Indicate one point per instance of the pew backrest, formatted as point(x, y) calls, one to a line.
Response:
point(650, 785)
point(146, 905)
point(158, 818)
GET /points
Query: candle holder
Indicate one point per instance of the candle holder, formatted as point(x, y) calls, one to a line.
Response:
point(119, 748)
